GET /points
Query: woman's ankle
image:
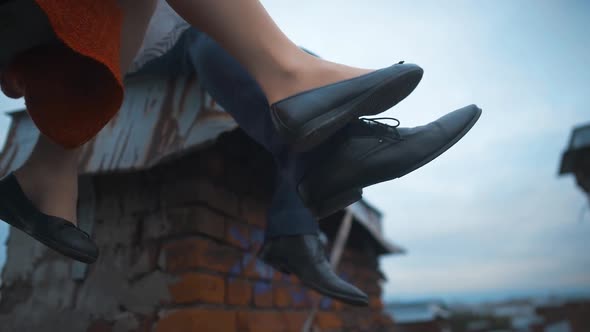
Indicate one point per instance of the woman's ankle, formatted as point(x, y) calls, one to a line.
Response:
point(310, 73)
point(56, 196)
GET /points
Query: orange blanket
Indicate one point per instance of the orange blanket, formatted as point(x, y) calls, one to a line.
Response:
point(71, 90)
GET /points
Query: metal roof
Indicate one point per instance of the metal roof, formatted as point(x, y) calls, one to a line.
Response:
point(371, 219)
point(159, 120)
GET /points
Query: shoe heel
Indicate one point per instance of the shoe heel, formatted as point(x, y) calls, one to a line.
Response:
point(337, 203)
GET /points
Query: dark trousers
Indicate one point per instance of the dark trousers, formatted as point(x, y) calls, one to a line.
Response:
point(238, 93)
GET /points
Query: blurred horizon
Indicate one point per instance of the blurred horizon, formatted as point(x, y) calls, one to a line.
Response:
point(490, 218)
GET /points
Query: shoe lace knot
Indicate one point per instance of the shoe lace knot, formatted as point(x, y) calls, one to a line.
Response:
point(381, 129)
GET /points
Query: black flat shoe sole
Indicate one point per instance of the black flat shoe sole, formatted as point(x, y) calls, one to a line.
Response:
point(322, 291)
point(56, 233)
point(376, 100)
point(336, 203)
point(64, 250)
point(347, 197)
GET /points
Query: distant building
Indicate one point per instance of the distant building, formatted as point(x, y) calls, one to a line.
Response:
point(419, 317)
point(572, 316)
point(576, 158)
point(520, 313)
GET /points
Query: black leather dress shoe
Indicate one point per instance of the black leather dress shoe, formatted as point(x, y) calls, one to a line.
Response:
point(59, 234)
point(308, 118)
point(305, 257)
point(368, 152)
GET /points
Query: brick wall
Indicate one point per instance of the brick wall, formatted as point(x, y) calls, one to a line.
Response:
point(178, 246)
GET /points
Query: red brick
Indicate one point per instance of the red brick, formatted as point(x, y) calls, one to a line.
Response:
point(179, 191)
point(372, 289)
point(300, 298)
point(196, 219)
point(375, 303)
point(387, 321)
point(239, 180)
point(347, 268)
point(279, 276)
point(239, 292)
point(336, 305)
point(364, 323)
point(294, 320)
point(293, 280)
point(198, 319)
point(255, 268)
point(249, 263)
point(254, 211)
point(263, 294)
point(217, 197)
point(377, 319)
point(237, 234)
point(139, 194)
point(185, 254)
point(314, 297)
point(328, 320)
point(281, 297)
point(212, 163)
point(199, 287)
point(256, 238)
point(261, 321)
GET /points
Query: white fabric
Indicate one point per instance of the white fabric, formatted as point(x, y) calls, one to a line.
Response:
point(164, 30)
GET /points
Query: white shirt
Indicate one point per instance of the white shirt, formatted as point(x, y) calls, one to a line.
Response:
point(163, 32)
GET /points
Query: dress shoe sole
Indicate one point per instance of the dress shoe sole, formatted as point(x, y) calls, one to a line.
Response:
point(376, 100)
point(323, 291)
point(67, 251)
point(345, 198)
point(336, 203)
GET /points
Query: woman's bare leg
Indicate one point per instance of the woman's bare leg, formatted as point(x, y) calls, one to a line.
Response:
point(245, 30)
point(137, 15)
point(49, 178)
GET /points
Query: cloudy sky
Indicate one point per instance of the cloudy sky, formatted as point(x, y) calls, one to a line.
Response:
point(490, 216)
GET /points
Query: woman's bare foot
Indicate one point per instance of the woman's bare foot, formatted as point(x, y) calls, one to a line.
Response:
point(306, 74)
point(49, 179)
point(52, 194)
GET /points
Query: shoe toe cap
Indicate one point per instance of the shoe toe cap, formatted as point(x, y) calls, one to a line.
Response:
point(347, 292)
point(456, 122)
point(355, 296)
point(410, 67)
point(78, 241)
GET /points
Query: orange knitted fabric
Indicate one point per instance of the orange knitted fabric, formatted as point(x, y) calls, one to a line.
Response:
point(72, 90)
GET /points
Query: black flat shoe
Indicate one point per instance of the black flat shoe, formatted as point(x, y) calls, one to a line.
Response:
point(308, 118)
point(368, 152)
point(59, 234)
point(304, 256)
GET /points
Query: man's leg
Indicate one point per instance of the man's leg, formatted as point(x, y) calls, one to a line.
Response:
point(292, 241)
point(239, 94)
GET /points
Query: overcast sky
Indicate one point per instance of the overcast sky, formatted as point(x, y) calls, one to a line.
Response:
point(490, 216)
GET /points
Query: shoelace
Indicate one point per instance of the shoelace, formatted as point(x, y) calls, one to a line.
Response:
point(376, 125)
